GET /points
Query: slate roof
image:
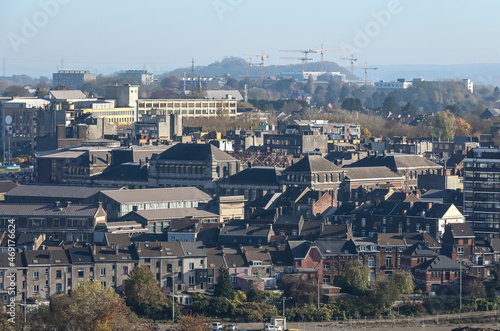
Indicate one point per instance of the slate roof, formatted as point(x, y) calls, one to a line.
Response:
point(313, 163)
point(368, 173)
point(395, 162)
point(288, 219)
point(438, 210)
point(390, 239)
point(57, 191)
point(336, 247)
point(46, 257)
point(266, 201)
point(193, 249)
point(6, 186)
point(245, 231)
point(195, 152)
point(158, 194)
point(334, 231)
point(183, 225)
point(173, 213)
point(454, 160)
point(125, 172)
point(365, 208)
point(160, 249)
point(114, 253)
point(299, 248)
point(256, 176)
point(24, 209)
point(345, 209)
point(421, 237)
point(385, 207)
point(5, 262)
point(80, 255)
point(419, 249)
point(495, 244)
point(440, 262)
point(461, 230)
point(417, 209)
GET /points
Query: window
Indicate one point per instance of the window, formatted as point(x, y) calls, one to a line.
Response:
point(103, 283)
point(36, 275)
point(326, 279)
point(191, 266)
point(46, 270)
point(80, 273)
point(202, 262)
point(371, 262)
point(233, 278)
point(58, 288)
point(256, 274)
point(36, 288)
point(388, 261)
point(460, 250)
point(47, 283)
point(191, 280)
point(58, 274)
point(103, 271)
point(326, 267)
point(210, 279)
point(335, 266)
point(125, 270)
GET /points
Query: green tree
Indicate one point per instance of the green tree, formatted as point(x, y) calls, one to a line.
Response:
point(310, 84)
point(391, 105)
point(409, 109)
point(354, 279)
point(224, 286)
point(444, 125)
point(351, 104)
point(91, 306)
point(255, 295)
point(143, 294)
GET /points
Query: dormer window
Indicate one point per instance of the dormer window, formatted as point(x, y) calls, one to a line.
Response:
point(256, 263)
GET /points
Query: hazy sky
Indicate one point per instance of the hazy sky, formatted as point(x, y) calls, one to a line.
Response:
point(103, 36)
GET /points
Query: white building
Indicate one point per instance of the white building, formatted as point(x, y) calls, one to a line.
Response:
point(400, 84)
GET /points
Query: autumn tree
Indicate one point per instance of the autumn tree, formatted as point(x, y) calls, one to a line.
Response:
point(91, 306)
point(224, 286)
point(143, 294)
point(462, 128)
point(365, 133)
point(302, 291)
point(444, 125)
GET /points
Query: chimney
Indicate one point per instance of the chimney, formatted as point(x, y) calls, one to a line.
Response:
point(429, 205)
point(57, 203)
point(116, 249)
point(50, 255)
point(247, 225)
point(68, 203)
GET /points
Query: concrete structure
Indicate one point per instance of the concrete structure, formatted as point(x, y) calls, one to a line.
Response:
point(72, 78)
point(141, 77)
point(482, 191)
point(388, 87)
point(125, 95)
point(213, 108)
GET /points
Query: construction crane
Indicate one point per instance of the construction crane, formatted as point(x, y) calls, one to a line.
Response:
point(261, 64)
point(304, 59)
point(352, 59)
point(366, 68)
point(323, 50)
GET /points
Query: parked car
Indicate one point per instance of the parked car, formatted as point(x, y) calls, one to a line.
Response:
point(216, 326)
point(270, 328)
point(232, 327)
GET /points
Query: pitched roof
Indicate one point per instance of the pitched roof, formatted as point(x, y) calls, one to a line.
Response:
point(253, 230)
point(335, 247)
point(173, 213)
point(160, 249)
point(421, 237)
point(438, 210)
point(440, 262)
point(56, 191)
point(158, 194)
point(24, 209)
point(395, 162)
point(6, 186)
point(390, 239)
point(67, 94)
point(419, 249)
point(366, 173)
point(125, 172)
point(299, 248)
point(45, 257)
point(461, 230)
point(193, 249)
point(195, 152)
point(454, 160)
point(256, 175)
point(313, 163)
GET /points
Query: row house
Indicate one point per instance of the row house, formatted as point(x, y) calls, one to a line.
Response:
point(439, 274)
point(336, 254)
point(58, 221)
point(432, 218)
point(252, 183)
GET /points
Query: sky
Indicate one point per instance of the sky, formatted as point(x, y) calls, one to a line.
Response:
point(38, 37)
